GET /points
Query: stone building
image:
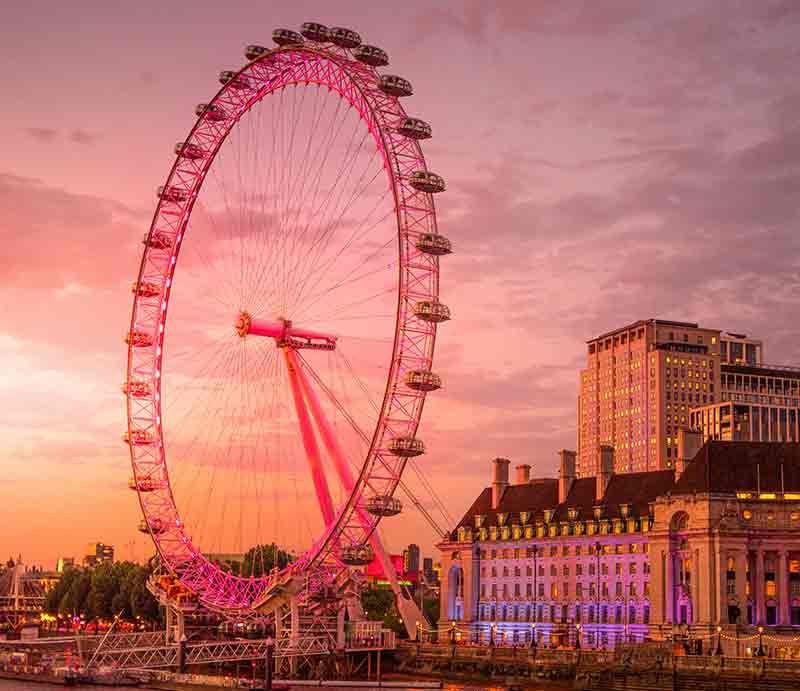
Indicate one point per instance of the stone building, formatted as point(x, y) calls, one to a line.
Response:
point(714, 541)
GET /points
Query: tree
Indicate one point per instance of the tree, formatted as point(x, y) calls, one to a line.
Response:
point(261, 559)
point(379, 604)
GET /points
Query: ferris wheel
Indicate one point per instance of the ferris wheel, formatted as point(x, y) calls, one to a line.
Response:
point(300, 340)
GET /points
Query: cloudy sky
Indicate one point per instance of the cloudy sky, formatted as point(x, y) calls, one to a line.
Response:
point(606, 162)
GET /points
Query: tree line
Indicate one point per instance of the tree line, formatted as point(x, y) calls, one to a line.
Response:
point(103, 592)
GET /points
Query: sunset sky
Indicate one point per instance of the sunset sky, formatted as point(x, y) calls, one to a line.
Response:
point(606, 162)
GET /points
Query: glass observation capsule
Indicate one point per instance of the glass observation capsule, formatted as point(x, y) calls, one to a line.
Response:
point(286, 37)
point(210, 112)
point(235, 81)
point(189, 150)
point(158, 240)
point(145, 484)
point(406, 447)
point(395, 86)
point(145, 289)
point(138, 339)
point(136, 388)
point(172, 194)
point(156, 526)
point(415, 128)
point(138, 437)
point(356, 555)
point(423, 380)
point(371, 55)
point(425, 181)
point(344, 38)
point(432, 311)
point(380, 505)
point(315, 32)
point(253, 52)
point(431, 243)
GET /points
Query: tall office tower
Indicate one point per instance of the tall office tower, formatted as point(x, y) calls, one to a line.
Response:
point(639, 385)
point(411, 559)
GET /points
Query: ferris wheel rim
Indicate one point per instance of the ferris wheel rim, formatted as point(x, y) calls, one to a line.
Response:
point(203, 571)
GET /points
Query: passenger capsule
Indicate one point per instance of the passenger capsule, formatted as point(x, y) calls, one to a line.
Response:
point(254, 52)
point(356, 555)
point(371, 55)
point(384, 506)
point(145, 289)
point(344, 38)
point(431, 243)
point(138, 339)
point(136, 388)
point(423, 380)
point(315, 32)
point(156, 526)
point(189, 150)
point(235, 81)
point(172, 194)
point(158, 241)
point(415, 128)
point(138, 437)
point(285, 37)
point(406, 447)
point(395, 86)
point(425, 181)
point(432, 311)
point(209, 111)
point(145, 484)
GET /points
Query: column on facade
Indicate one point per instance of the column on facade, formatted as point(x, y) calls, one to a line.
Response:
point(758, 591)
point(784, 613)
point(669, 587)
point(740, 565)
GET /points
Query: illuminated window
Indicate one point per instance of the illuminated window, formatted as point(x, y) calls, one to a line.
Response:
point(747, 515)
point(744, 495)
point(767, 495)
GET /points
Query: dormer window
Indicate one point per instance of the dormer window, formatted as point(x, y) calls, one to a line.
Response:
point(598, 511)
point(524, 516)
point(501, 518)
point(548, 514)
point(479, 521)
point(623, 510)
point(572, 514)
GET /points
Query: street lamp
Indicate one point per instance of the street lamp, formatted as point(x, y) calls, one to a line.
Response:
point(577, 636)
point(760, 652)
point(492, 629)
point(534, 643)
point(718, 651)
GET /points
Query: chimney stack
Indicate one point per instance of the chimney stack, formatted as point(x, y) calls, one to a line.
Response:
point(499, 480)
point(689, 443)
point(566, 474)
point(605, 469)
point(523, 474)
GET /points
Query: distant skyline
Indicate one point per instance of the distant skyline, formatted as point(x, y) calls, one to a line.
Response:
point(605, 162)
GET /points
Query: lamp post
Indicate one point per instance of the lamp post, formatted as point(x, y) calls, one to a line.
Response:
point(718, 651)
point(760, 652)
point(577, 636)
point(418, 630)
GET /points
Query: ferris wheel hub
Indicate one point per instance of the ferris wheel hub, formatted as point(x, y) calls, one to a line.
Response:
point(286, 335)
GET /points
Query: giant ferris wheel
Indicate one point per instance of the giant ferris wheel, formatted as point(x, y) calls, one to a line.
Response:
point(275, 383)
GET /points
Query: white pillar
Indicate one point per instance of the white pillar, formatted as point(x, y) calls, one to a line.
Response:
point(784, 613)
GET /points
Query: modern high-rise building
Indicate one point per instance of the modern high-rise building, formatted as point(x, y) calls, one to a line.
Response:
point(98, 553)
point(411, 559)
point(643, 381)
point(638, 387)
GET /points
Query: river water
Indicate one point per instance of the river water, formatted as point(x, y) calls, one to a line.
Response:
point(8, 685)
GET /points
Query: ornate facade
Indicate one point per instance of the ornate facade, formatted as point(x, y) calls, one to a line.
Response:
point(616, 557)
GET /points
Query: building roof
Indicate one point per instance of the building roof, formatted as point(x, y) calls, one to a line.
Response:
point(785, 371)
point(727, 467)
point(644, 322)
point(721, 467)
point(636, 490)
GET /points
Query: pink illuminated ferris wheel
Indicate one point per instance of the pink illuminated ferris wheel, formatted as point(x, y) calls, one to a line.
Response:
point(280, 401)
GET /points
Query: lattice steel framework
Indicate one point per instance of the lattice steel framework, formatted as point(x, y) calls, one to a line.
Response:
point(301, 64)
